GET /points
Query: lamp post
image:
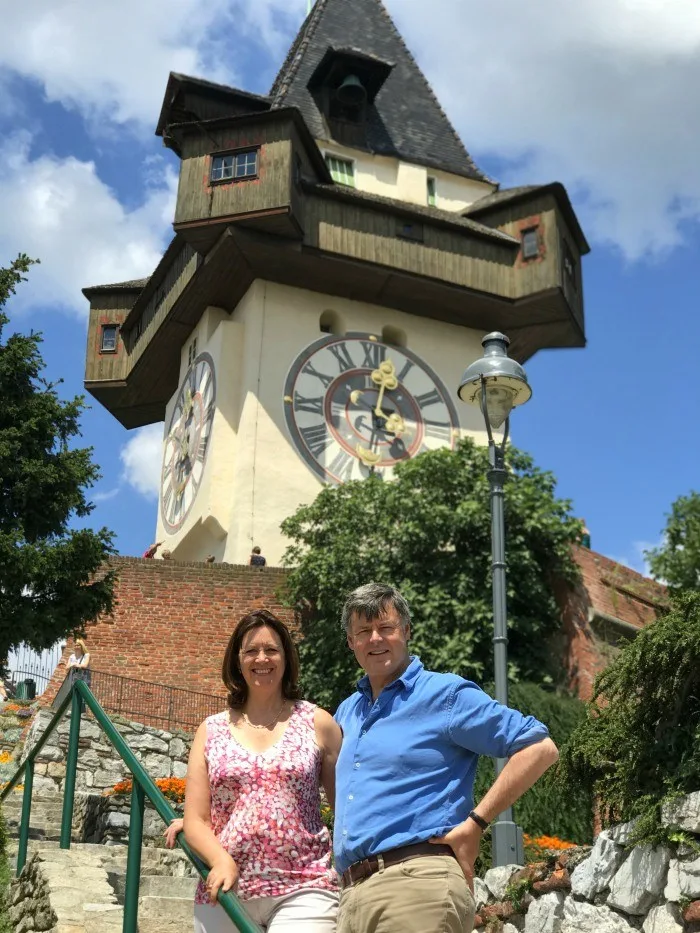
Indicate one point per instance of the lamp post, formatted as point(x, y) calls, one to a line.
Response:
point(498, 384)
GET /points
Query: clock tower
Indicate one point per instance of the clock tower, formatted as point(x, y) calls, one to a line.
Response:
point(337, 256)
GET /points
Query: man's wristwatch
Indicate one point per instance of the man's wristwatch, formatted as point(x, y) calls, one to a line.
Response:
point(479, 820)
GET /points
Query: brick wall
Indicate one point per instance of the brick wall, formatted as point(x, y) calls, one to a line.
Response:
point(172, 621)
point(607, 590)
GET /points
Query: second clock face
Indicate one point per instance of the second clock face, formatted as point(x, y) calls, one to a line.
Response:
point(187, 442)
point(354, 404)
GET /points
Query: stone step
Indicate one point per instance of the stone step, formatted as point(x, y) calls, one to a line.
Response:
point(155, 885)
point(165, 914)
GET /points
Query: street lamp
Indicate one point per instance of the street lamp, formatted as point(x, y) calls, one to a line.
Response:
point(498, 384)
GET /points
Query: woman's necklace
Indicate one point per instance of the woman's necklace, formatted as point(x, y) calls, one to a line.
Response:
point(264, 725)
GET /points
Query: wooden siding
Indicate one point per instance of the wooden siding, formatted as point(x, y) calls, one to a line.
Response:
point(455, 257)
point(107, 309)
point(199, 199)
point(161, 302)
point(538, 275)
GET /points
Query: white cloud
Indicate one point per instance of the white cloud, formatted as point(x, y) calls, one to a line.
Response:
point(141, 458)
point(598, 94)
point(61, 212)
point(111, 60)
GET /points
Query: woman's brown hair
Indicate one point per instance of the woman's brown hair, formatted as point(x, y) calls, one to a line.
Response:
point(231, 668)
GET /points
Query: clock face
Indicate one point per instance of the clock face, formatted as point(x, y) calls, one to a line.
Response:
point(187, 442)
point(355, 405)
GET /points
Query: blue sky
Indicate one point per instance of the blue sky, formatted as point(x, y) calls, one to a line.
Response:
point(595, 96)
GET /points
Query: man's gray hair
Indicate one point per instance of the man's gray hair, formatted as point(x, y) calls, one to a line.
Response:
point(371, 601)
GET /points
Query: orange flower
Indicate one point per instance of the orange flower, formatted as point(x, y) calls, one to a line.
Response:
point(548, 842)
point(173, 788)
point(5, 757)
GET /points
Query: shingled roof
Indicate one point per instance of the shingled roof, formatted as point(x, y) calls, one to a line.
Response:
point(406, 120)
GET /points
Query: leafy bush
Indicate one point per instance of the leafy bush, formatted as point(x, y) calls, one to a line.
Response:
point(640, 740)
point(428, 532)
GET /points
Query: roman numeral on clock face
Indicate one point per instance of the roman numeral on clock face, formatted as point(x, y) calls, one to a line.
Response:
point(375, 353)
point(313, 405)
point(342, 355)
point(342, 465)
point(309, 370)
point(316, 438)
point(429, 398)
point(440, 430)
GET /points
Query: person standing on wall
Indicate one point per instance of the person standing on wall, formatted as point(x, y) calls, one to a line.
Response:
point(256, 558)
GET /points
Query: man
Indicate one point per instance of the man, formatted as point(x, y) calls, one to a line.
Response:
point(406, 836)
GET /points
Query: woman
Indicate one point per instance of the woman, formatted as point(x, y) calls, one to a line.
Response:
point(252, 802)
point(80, 660)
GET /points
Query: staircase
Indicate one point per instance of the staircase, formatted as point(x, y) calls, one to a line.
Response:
point(81, 889)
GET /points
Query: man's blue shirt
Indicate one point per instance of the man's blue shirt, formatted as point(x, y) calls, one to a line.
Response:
point(407, 764)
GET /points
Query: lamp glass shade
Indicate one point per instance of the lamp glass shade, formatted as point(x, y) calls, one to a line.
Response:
point(500, 399)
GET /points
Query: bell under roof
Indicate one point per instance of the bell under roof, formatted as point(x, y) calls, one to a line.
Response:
point(406, 120)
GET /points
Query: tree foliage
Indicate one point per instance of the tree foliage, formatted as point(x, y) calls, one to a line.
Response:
point(640, 740)
point(428, 532)
point(548, 808)
point(47, 568)
point(677, 560)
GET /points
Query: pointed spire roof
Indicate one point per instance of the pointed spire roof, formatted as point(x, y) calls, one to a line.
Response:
point(406, 120)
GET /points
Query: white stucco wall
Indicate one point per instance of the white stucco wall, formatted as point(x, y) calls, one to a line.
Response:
point(405, 181)
point(254, 477)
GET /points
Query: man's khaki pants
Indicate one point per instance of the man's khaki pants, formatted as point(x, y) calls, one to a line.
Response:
point(422, 895)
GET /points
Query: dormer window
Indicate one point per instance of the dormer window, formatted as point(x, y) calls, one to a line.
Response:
point(108, 343)
point(342, 170)
point(432, 192)
point(234, 166)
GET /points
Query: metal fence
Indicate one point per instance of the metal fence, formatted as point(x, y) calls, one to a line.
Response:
point(25, 685)
point(149, 703)
point(23, 663)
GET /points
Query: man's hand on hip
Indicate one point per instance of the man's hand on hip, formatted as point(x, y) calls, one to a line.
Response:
point(464, 840)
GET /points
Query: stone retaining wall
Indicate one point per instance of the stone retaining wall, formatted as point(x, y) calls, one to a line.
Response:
point(611, 888)
point(163, 754)
point(105, 821)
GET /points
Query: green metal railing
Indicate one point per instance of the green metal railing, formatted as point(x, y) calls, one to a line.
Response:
point(143, 787)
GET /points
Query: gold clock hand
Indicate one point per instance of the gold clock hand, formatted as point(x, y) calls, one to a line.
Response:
point(385, 378)
point(370, 458)
point(395, 424)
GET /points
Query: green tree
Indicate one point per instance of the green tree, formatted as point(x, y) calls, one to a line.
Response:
point(677, 560)
point(51, 582)
point(640, 740)
point(429, 533)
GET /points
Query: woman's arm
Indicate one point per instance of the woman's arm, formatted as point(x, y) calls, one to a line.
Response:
point(329, 739)
point(85, 660)
point(197, 823)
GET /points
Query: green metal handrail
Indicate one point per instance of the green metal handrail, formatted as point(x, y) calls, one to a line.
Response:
point(143, 787)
